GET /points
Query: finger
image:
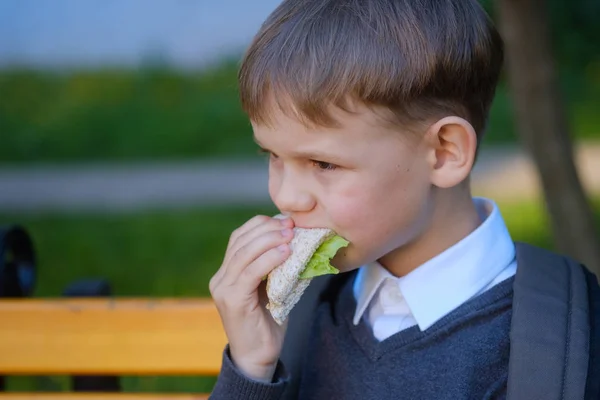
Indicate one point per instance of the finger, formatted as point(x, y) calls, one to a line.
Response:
point(247, 226)
point(240, 231)
point(216, 279)
point(250, 235)
point(247, 254)
point(251, 278)
point(256, 226)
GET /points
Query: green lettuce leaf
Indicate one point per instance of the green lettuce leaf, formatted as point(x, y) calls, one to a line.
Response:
point(319, 263)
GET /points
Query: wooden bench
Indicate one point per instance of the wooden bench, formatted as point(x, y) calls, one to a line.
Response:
point(93, 336)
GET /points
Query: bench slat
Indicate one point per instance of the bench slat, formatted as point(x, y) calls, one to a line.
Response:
point(100, 396)
point(108, 336)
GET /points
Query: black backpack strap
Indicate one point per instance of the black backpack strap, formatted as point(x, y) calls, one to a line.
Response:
point(592, 391)
point(550, 328)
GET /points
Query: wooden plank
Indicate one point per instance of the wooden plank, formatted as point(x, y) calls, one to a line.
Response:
point(101, 396)
point(107, 336)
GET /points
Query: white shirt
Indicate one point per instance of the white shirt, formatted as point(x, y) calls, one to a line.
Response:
point(478, 262)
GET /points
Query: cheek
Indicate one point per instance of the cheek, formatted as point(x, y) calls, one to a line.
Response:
point(354, 214)
point(379, 215)
point(349, 210)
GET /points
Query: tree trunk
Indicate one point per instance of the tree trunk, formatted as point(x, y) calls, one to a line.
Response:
point(542, 125)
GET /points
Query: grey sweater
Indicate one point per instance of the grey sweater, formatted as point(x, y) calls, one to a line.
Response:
point(463, 356)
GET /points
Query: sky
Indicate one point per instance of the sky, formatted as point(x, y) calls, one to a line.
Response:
point(91, 33)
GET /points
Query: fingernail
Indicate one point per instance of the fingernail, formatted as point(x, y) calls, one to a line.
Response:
point(286, 232)
point(282, 248)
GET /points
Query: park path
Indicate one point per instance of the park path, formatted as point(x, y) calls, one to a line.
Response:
point(501, 172)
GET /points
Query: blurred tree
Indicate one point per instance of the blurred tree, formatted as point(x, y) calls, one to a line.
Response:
point(543, 128)
point(575, 30)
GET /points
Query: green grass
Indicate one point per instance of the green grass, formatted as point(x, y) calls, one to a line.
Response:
point(153, 114)
point(170, 253)
point(120, 115)
point(159, 253)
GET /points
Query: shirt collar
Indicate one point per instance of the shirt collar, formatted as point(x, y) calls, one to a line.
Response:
point(449, 279)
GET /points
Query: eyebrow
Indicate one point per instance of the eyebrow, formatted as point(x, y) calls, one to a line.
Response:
point(312, 155)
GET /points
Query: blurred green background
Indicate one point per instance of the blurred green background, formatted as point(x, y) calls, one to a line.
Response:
point(161, 114)
point(155, 112)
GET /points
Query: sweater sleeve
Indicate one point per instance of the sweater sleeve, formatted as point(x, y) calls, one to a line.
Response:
point(232, 384)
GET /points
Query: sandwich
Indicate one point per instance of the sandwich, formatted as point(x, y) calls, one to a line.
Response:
point(311, 252)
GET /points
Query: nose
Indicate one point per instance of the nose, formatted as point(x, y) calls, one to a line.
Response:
point(290, 194)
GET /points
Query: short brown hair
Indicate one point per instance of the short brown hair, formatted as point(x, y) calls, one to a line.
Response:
point(418, 59)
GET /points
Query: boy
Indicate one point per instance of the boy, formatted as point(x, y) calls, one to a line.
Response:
point(371, 113)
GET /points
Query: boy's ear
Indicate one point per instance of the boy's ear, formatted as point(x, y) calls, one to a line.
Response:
point(452, 147)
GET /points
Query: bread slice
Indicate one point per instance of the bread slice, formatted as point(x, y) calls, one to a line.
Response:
point(284, 287)
point(280, 312)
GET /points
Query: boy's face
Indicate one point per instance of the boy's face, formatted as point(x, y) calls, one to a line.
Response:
point(368, 183)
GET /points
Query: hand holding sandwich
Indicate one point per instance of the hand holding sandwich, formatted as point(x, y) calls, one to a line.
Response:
point(253, 251)
point(254, 318)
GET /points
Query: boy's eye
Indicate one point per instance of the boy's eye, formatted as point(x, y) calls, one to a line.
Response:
point(267, 153)
point(324, 165)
